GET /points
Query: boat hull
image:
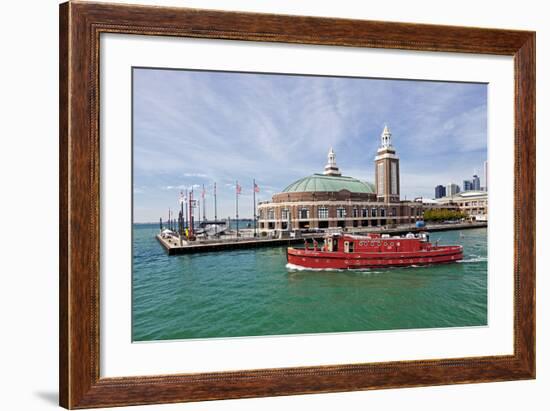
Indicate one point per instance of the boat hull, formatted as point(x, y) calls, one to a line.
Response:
point(308, 258)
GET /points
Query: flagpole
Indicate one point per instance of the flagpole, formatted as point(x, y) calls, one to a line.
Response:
point(186, 210)
point(254, 202)
point(215, 212)
point(182, 227)
point(190, 201)
point(237, 207)
point(203, 203)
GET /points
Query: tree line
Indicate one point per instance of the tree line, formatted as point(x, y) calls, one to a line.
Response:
point(443, 214)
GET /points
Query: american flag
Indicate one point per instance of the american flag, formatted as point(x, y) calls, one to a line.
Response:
point(256, 188)
point(238, 188)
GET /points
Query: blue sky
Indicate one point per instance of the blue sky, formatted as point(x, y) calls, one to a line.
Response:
point(198, 127)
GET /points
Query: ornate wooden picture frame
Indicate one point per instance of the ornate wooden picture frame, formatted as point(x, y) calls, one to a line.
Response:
point(81, 25)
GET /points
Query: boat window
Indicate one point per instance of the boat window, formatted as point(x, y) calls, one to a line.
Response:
point(335, 245)
point(350, 247)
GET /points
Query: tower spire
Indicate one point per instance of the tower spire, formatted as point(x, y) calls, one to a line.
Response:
point(385, 138)
point(331, 169)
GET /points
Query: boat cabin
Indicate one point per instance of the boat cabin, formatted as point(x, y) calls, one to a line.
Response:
point(377, 243)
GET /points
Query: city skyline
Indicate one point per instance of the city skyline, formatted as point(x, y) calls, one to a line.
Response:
point(475, 184)
point(193, 128)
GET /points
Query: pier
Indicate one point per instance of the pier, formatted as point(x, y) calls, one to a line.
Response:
point(174, 246)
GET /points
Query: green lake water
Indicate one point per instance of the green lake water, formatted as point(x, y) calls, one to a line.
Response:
point(252, 293)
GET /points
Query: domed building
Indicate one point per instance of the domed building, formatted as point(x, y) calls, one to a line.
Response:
point(327, 184)
point(331, 200)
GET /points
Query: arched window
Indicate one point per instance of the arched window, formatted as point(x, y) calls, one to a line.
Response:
point(340, 212)
point(284, 214)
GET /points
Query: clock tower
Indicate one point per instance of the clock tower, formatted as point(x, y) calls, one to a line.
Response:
point(387, 169)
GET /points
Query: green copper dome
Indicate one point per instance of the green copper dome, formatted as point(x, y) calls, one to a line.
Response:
point(324, 183)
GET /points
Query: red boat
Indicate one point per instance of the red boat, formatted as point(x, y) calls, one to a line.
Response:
point(342, 251)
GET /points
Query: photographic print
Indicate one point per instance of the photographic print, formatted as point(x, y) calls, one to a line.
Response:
point(241, 192)
point(281, 204)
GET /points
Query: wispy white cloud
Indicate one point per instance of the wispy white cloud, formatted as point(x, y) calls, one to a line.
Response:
point(195, 175)
point(193, 128)
point(182, 187)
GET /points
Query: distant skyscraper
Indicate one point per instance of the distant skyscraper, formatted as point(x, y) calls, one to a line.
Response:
point(452, 189)
point(485, 176)
point(439, 191)
point(467, 185)
point(476, 184)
